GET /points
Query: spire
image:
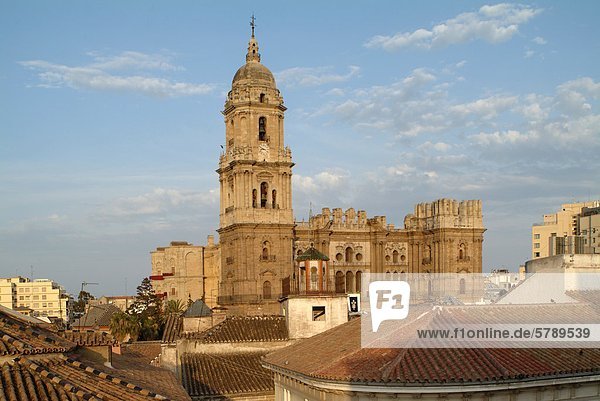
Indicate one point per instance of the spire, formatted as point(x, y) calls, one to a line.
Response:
point(253, 54)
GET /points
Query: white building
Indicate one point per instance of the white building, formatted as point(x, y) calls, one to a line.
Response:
point(39, 297)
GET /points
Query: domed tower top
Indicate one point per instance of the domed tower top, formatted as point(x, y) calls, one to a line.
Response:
point(253, 72)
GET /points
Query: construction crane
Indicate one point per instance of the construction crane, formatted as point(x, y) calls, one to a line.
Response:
point(86, 283)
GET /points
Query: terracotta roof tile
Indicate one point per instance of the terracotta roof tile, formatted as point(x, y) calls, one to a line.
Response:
point(225, 374)
point(131, 367)
point(88, 337)
point(145, 351)
point(97, 315)
point(61, 378)
point(245, 329)
point(172, 328)
point(342, 358)
point(19, 337)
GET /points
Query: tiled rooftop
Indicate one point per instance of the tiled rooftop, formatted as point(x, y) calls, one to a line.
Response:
point(245, 329)
point(18, 336)
point(172, 328)
point(342, 358)
point(50, 375)
point(96, 316)
point(65, 379)
point(225, 374)
point(88, 337)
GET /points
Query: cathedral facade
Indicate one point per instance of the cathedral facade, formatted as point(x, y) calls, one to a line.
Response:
point(259, 238)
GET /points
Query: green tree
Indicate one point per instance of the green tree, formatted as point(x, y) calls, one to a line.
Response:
point(123, 325)
point(82, 300)
point(174, 306)
point(147, 308)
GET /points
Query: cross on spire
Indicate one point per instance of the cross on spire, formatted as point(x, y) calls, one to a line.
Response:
point(252, 24)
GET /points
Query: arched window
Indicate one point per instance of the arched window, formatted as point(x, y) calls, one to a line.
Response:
point(358, 280)
point(339, 282)
point(395, 256)
point(339, 257)
point(267, 290)
point(264, 188)
point(254, 198)
point(359, 257)
point(349, 254)
point(349, 282)
point(274, 199)
point(462, 252)
point(462, 286)
point(262, 128)
point(265, 251)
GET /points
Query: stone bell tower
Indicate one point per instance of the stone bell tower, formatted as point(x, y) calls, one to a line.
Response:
point(255, 171)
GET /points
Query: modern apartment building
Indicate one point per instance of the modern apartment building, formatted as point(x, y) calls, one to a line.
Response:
point(39, 297)
point(561, 232)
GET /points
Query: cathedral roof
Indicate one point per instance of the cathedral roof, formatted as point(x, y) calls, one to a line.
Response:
point(311, 254)
point(253, 72)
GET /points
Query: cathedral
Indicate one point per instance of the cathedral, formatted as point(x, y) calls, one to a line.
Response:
point(259, 238)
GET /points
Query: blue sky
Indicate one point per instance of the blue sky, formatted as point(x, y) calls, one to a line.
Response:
point(111, 125)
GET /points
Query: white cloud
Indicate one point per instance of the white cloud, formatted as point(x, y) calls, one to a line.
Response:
point(529, 53)
point(538, 40)
point(486, 108)
point(314, 76)
point(321, 182)
point(500, 138)
point(493, 24)
point(133, 60)
point(438, 146)
point(97, 75)
point(159, 201)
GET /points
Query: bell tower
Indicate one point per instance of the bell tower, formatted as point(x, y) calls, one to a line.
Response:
point(255, 170)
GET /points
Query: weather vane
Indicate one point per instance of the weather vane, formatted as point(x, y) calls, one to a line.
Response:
point(252, 24)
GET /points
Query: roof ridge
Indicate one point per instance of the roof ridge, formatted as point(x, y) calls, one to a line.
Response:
point(113, 379)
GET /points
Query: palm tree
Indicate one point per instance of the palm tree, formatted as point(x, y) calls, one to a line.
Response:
point(174, 306)
point(123, 326)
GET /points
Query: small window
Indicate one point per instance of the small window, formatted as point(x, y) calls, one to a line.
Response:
point(536, 236)
point(318, 313)
point(339, 257)
point(536, 245)
point(536, 255)
point(264, 188)
point(262, 129)
point(359, 257)
point(261, 98)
